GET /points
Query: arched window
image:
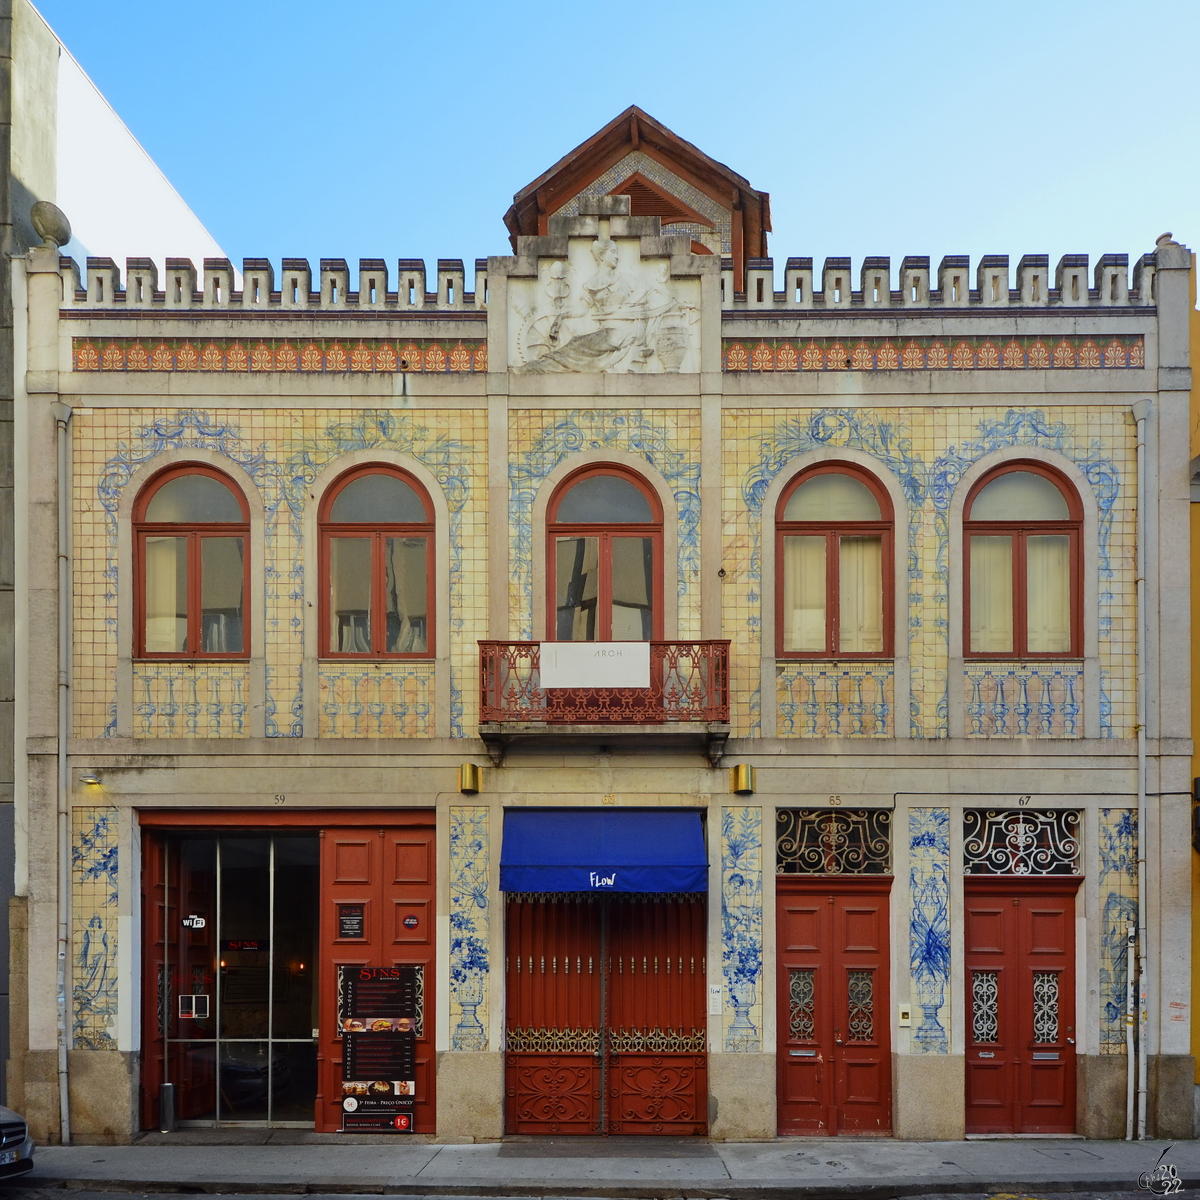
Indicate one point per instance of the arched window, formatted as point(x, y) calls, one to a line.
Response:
point(377, 578)
point(604, 556)
point(191, 530)
point(1022, 546)
point(833, 565)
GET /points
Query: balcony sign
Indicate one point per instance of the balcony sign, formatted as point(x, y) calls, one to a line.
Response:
point(595, 664)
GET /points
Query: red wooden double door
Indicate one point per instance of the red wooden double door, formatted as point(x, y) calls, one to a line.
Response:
point(605, 1025)
point(833, 1013)
point(1020, 980)
point(245, 928)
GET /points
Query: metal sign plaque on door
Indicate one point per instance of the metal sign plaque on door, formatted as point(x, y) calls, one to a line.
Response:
point(378, 1026)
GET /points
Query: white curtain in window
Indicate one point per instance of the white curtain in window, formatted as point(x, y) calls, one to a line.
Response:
point(350, 595)
point(991, 595)
point(1048, 590)
point(166, 595)
point(804, 594)
point(860, 588)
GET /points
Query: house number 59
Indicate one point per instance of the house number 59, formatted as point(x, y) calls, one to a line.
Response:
point(279, 797)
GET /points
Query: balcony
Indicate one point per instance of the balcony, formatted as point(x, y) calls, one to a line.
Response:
point(686, 704)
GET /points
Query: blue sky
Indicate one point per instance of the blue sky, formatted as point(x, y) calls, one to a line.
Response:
point(369, 128)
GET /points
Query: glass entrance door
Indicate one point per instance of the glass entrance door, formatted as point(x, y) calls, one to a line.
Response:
point(237, 1006)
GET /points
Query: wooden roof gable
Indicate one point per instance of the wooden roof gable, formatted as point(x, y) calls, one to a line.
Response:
point(750, 210)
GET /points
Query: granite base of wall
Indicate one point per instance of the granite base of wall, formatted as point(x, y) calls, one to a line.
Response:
point(470, 1096)
point(103, 1096)
point(36, 1099)
point(741, 1097)
point(1100, 1095)
point(1169, 1107)
point(930, 1097)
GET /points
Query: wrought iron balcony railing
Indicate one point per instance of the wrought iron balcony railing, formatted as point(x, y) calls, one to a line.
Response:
point(689, 683)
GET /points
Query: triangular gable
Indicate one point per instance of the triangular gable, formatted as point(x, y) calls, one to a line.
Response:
point(678, 173)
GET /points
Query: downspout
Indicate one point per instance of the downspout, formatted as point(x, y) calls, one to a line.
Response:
point(1141, 413)
point(1130, 1024)
point(62, 417)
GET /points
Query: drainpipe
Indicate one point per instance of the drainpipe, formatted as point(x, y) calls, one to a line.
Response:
point(1141, 413)
point(62, 417)
point(1130, 1024)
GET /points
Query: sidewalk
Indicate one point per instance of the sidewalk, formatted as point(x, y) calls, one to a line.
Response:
point(614, 1167)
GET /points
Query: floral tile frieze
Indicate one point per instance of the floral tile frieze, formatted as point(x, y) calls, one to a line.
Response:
point(934, 354)
point(364, 356)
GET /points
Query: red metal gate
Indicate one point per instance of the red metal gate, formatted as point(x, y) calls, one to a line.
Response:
point(605, 1016)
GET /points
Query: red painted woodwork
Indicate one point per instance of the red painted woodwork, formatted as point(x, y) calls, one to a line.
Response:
point(833, 532)
point(605, 1015)
point(194, 533)
point(635, 130)
point(1016, 929)
point(1019, 531)
point(834, 1072)
point(165, 941)
point(378, 533)
point(689, 681)
point(390, 872)
point(606, 535)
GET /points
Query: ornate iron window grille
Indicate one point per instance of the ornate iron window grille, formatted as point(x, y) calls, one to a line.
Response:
point(985, 1008)
point(817, 841)
point(1045, 1007)
point(1019, 842)
point(860, 995)
point(801, 1003)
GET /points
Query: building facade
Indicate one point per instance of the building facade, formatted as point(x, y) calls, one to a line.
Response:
point(60, 141)
point(727, 700)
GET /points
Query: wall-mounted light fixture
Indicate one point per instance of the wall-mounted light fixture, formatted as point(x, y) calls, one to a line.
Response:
point(90, 779)
point(470, 779)
point(741, 779)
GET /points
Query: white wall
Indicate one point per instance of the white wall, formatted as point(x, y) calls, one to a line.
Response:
point(118, 201)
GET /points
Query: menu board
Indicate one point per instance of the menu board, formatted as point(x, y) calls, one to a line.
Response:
point(379, 1048)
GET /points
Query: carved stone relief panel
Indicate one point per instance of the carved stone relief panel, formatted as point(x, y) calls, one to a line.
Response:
point(604, 308)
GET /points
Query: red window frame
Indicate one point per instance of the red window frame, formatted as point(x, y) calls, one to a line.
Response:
point(378, 532)
point(833, 532)
point(194, 532)
point(1020, 531)
point(605, 532)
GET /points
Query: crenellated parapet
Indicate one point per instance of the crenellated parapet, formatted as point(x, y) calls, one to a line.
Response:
point(293, 288)
point(837, 288)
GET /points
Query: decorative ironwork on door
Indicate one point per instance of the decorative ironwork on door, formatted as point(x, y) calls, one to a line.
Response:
point(818, 841)
point(802, 1003)
point(1020, 842)
point(985, 1013)
point(860, 993)
point(1045, 1007)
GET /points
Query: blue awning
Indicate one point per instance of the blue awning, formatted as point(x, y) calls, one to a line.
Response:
point(603, 850)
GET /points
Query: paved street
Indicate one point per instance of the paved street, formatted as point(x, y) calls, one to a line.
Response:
point(612, 1168)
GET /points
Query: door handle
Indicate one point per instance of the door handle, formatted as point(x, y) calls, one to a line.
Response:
point(838, 1041)
point(1070, 1041)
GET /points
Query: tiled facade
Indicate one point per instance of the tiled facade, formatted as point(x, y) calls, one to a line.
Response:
point(922, 732)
